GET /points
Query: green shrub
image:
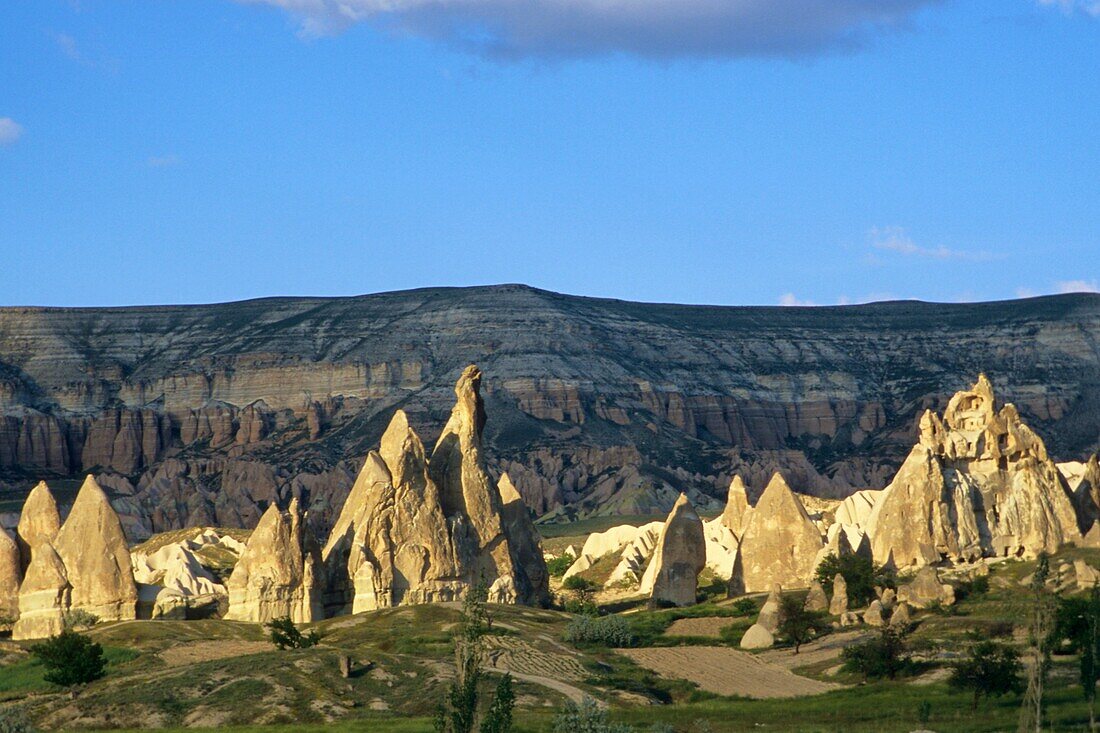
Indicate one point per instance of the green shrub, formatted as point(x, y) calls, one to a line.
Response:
point(79, 619)
point(13, 720)
point(285, 635)
point(992, 669)
point(744, 607)
point(559, 565)
point(860, 574)
point(884, 656)
point(582, 594)
point(797, 624)
point(587, 717)
point(612, 631)
point(70, 659)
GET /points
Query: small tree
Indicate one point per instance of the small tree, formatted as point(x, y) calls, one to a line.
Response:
point(797, 624)
point(992, 669)
point(1078, 622)
point(1040, 636)
point(70, 659)
point(586, 717)
point(558, 565)
point(285, 635)
point(860, 574)
point(582, 595)
point(498, 718)
point(883, 656)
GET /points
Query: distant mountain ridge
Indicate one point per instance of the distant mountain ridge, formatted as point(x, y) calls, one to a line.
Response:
point(206, 414)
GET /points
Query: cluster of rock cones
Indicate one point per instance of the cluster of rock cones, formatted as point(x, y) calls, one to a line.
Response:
point(423, 529)
point(413, 530)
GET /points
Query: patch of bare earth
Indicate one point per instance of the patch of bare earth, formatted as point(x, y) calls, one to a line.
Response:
point(708, 627)
point(206, 651)
point(815, 652)
point(726, 671)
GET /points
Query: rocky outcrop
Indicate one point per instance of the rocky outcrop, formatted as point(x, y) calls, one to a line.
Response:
point(681, 554)
point(816, 600)
point(926, 590)
point(737, 505)
point(603, 405)
point(96, 558)
point(39, 522)
point(279, 573)
point(978, 483)
point(43, 596)
point(757, 637)
point(525, 542)
point(173, 583)
point(780, 542)
point(11, 575)
point(838, 606)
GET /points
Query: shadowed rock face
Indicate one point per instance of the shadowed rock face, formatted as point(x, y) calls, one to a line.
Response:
point(209, 414)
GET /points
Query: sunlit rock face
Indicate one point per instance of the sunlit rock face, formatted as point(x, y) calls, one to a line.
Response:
point(420, 530)
point(978, 483)
point(780, 543)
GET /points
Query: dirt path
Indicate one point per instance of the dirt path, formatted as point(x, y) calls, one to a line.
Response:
point(573, 693)
point(726, 671)
point(821, 650)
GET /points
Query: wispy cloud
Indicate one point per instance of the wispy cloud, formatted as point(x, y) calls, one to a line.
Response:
point(895, 239)
point(1077, 286)
point(651, 28)
point(163, 161)
point(1088, 7)
point(10, 131)
point(72, 50)
point(791, 299)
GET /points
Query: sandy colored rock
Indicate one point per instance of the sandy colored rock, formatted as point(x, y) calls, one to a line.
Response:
point(96, 557)
point(613, 540)
point(673, 573)
point(926, 589)
point(900, 616)
point(11, 575)
point(838, 606)
point(781, 542)
point(1087, 576)
point(524, 541)
point(721, 547)
point(873, 615)
point(978, 483)
point(279, 573)
point(889, 598)
point(43, 596)
point(635, 557)
point(769, 612)
point(737, 504)
point(757, 637)
point(39, 522)
point(856, 509)
point(816, 600)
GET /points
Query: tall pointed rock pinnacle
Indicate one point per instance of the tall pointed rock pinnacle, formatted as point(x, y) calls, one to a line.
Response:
point(680, 555)
point(38, 522)
point(93, 549)
point(11, 575)
point(737, 504)
point(470, 500)
point(523, 538)
point(43, 596)
point(780, 542)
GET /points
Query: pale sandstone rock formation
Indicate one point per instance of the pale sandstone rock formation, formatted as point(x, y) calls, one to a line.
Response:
point(474, 506)
point(856, 509)
point(1083, 481)
point(721, 547)
point(525, 542)
point(816, 600)
point(737, 505)
point(635, 557)
point(94, 552)
point(978, 483)
point(780, 542)
point(614, 540)
point(926, 589)
point(673, 573)
point(757, 637)
point(172, 580)
point(1087, 576)
point(11, 575)
point(838, 606)
point(900, 616)
point(43, 596)
point(279, 573)
point(769, 612)
point(873, 615)
point(39, 522)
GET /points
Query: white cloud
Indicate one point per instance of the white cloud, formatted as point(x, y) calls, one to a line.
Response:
point(1088, 7)
point(791, 299)
point(653, 28)
point(10, 131)
point(894, 239)
point(163, 161)
point(1023, 292)
point(1077, 286)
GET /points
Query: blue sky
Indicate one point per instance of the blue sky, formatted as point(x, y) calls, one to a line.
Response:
point(702, 151)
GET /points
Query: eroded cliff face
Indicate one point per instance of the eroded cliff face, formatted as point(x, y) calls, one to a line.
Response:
point(210, 414)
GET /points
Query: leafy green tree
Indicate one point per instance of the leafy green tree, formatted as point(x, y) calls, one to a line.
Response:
point(582, 594)
point(992, 669)
point(860, 574)
point(70, 659)
point(558, 565)
point(285, 635)
point(460, 713)
point(885, 656)
point(1078, 622)
point(797, 624)
point(1041, 628)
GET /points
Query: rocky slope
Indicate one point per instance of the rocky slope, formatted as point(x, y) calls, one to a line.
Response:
point(206, 415)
